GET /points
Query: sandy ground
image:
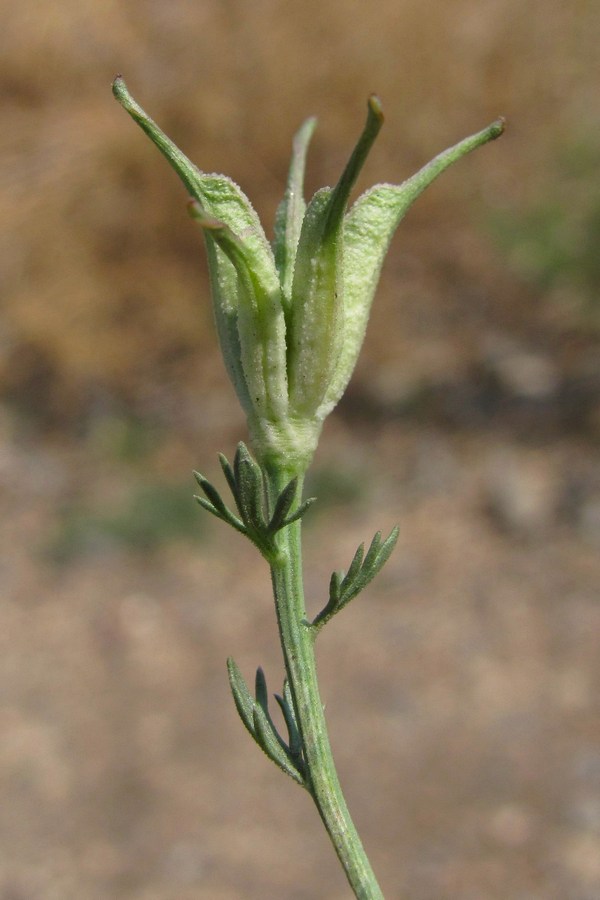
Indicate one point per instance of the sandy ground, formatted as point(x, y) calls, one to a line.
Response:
point(461, 689)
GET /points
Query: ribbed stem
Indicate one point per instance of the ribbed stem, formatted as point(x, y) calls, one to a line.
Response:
point(297, 641)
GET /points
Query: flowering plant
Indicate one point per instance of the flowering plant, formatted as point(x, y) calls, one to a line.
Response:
point(291, 319)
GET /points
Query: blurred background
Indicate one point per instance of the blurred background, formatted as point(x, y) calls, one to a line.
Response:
point(462, 689)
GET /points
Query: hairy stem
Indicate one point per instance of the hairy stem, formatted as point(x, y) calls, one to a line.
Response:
point(297, 641)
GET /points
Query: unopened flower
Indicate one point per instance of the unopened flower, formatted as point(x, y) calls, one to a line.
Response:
point(291, 316)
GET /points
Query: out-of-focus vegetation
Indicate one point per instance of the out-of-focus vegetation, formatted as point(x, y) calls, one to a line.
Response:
point(554, 240)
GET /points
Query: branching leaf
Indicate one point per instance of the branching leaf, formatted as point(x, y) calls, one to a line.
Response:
point(363, 569)
point(258, 722)
point(215, 505)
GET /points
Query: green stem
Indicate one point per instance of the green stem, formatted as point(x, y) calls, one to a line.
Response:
point(297, 642)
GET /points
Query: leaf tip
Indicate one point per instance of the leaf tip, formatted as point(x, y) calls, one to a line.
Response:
point(497, 128)
point(376, 108)
point(119, 89)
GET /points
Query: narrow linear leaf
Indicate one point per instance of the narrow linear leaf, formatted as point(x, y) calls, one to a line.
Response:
point(230, 477)
point(343, 589)
point(242, 697)
point(260, 689)
point(377, 556)
point(289, 699)
point(207, 505)
point(225, 516)
point(354, 566)
point(287, 708)
point(250, 486)
point(211, 492)
point(330, 608)
point(258, 725)
point(335, 585)
point(283, 506)
point(262, 698)
point(268, 741)
point(372, 552)
point(300, 511)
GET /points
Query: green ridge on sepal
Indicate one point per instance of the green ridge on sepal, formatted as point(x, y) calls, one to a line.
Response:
point(254, 713)
point(316, 317)
point(343, 587)
point(247, 485)
point(290, 212)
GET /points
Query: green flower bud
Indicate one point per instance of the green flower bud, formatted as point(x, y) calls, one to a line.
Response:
point(291, 319)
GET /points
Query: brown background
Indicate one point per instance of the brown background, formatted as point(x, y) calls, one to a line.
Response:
point(462, 689)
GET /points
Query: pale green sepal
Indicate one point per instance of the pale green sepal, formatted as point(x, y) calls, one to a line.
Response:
point(259, 315)
point(314, 322)
point(341, 192)
point(290, 212)
point(224, 283)
point(218, 195)
point(369, 227)
point(316, 316)
point(187, 171)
